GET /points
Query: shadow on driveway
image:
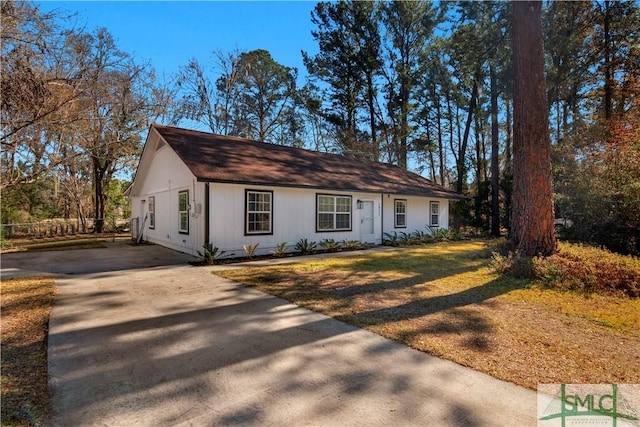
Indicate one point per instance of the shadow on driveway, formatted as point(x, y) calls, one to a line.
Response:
point(139, 342)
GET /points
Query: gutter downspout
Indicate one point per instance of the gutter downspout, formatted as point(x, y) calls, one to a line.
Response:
point(206, 213)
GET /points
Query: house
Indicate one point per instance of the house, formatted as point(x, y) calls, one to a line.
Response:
point(194, 187)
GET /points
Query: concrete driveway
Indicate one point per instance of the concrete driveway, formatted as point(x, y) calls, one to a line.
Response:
point(139, 337)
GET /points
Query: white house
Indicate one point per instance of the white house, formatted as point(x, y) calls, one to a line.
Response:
point(194, 187)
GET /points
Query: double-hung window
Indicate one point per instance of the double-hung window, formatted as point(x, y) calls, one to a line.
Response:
point(400, 212)
point(333, 213)
point(183, 212)
point(152, 212)
point(434, 214)
point(258, 212)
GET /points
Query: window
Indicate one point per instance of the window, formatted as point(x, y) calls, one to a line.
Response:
point(183, 212)
point(152, 212)
point(259, 212)
point(333, 213)
point(435, 214)
point(400, 214)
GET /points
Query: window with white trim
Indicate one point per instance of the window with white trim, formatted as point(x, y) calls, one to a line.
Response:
point(152, 212)
point(434, 219)
point(400, 213)
point(259, 212)
point(183, 212)
point(333, 213)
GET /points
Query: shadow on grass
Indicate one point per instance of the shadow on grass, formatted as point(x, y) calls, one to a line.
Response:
point(461, 319)
point(425, 306)
point(341, 292)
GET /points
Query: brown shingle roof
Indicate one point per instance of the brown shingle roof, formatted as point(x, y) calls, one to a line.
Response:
point(217, 158)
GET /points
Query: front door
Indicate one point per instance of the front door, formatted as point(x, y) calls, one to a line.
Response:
point(367, 229)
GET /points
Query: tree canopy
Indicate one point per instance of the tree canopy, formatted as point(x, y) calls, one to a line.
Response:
point(428, 86)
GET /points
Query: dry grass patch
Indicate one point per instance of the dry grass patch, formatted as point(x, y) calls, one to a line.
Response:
point(444, 299)
point(60, 243)
point(26, 305)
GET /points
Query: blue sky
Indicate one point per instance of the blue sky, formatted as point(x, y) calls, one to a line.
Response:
point(169, 33)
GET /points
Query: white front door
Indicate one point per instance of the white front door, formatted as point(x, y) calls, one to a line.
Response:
point(367, 222)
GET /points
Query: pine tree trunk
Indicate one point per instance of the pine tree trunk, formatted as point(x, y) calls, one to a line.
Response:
point(441, 156)
point(533, 229)
point(461, 165)
point(507, 180)
point(495, 164)
point(372, 117)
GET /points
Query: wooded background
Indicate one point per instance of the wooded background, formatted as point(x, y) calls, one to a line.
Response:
point(427, 86)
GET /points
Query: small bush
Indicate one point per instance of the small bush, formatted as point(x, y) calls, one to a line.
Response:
point(438, 234)
point(590, 269)
point(250, 250)
point(391, 239)
point(455, 235)
point(210, 254)
point(281, 250)
point(574, 267)
point(351, 244)
point(405, 238)
point(419, 237)
point(513, 265)
point(3, 237)
point(500, 263)
point(305, 247)
point(329, 245)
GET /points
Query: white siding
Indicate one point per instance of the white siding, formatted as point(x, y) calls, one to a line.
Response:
point(163, 175)
point(294, 217)
point(418, 213)
point(166, 176)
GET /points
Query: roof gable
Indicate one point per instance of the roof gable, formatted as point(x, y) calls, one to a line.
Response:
point(217, 158)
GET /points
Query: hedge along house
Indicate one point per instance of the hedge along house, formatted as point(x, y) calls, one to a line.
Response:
point(193, 187)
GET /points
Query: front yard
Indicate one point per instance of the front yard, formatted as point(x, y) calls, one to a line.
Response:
point(444, 299)
point(26, 305)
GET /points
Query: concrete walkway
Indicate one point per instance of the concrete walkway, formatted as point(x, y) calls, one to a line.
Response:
point(139, 337)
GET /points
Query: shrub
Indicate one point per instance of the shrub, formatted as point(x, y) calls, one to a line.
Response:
point(250, 250)
point(352, 244)
point(500, 263)
point(574, 267)
point(281, 250)
point(420, 237)
point(329, 245)
point(210, 254)
point(455, 235)
point(438, 234)
point(3, 237)
point(405, 238)
point(590, 269)
point(391, 239)
point(513, 265)
point(305, 247)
